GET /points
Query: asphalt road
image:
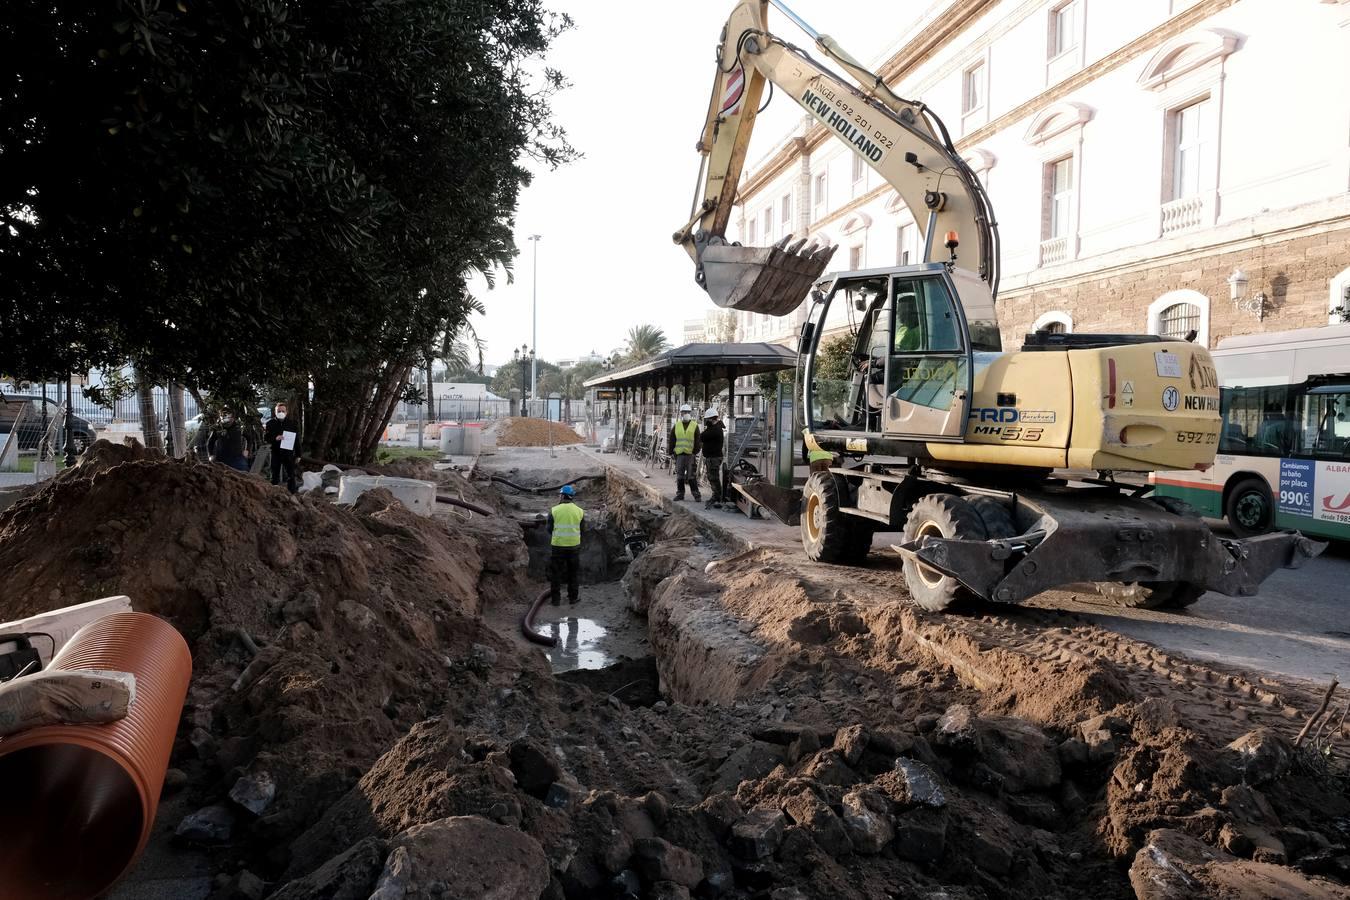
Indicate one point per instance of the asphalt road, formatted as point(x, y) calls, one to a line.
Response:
point(1299, 625)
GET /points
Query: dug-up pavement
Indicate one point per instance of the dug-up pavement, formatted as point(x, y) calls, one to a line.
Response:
point(787, 731)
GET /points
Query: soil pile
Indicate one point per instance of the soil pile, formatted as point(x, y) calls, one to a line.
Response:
point(526, 432)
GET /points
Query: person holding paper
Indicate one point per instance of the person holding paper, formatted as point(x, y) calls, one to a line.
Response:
point(282, 435)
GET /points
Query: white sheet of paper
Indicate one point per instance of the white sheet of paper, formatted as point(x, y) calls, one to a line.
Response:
point(288, 440)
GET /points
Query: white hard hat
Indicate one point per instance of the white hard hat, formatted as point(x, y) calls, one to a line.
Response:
point(686, 408)
point(710, 413)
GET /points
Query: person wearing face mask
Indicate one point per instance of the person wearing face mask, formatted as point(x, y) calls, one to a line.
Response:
point(227, 442)
point(282, 435)
point(684, 443)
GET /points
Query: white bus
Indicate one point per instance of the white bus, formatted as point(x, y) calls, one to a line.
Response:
point(1284, 446)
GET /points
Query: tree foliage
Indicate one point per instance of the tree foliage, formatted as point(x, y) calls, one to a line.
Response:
point(509, 376)
point(263, 192)
point(644, 342)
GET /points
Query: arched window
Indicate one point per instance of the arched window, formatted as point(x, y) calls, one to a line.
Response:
point(1176, 313)
point(1179, 320)
point(1056, 322)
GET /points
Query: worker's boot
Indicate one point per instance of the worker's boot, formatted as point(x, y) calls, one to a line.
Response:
point(679, 488)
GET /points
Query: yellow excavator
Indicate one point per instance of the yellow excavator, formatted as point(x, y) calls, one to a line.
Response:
point(933, 429)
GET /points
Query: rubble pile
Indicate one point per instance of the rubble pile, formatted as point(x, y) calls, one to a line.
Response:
point(385, 742)
point(529, 432)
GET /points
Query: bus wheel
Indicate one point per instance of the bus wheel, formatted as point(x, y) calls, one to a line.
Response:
point(1250, 510)
point(945, 516)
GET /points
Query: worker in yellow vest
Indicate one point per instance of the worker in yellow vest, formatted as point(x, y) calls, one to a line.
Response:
point(564, 527)
point(684, 443)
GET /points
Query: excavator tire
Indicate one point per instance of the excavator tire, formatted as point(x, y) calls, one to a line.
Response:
point(939, 515)
point(828, 533)
point(997, 518)
point(1157, 594)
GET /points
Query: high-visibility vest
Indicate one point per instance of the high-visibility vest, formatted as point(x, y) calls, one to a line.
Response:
point(684, 437)
point(819, 456)
point(567, 524)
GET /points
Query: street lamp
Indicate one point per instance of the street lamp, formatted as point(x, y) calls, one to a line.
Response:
point(522, 355)
point(534, 331)
point(1237, 292)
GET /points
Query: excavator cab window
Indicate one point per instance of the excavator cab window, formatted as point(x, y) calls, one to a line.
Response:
point(928, 378)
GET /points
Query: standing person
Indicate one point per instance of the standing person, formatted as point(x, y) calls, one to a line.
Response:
point(226, 444)
point(564, 526)
point(713, 439)
point(684, 443)
point(282, 436)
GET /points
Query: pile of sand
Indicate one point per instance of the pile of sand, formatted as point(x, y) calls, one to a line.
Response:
point(520, 432)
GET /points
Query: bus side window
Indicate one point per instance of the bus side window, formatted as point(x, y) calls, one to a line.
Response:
point(1238, 426)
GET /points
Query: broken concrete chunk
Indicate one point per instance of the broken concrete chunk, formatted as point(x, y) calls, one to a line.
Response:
point(1261, 755)
point(473, 859)
point(955, 731)
point(208, 825)
point(659, 860)
point(806, 743)
point(749, 761)
point(867, 819)
point(825, 828)
point(254, 792)
point(1234, 841)
point(1176, 866)
point(758, 833)
point(917, 784)
point(1073, 752)
point(851, 742)
point(1101, 745)
point(828, 767)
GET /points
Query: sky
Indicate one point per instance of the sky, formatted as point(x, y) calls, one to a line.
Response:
point(639, 90)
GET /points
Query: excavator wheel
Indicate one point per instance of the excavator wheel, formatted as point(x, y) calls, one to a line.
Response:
point(1157, 594)
point(828, 533)
point(947, 516)
point(997, 518)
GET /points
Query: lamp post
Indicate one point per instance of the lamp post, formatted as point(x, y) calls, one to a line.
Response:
point(534, 328)
point(1237, 292)
point(522, 355)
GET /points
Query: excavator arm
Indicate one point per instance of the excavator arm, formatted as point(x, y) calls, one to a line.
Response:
point(901, 139)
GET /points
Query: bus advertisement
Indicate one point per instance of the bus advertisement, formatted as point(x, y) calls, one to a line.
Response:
point(1284, 445)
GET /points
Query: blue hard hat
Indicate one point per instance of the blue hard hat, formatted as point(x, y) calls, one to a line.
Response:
point(568, 491)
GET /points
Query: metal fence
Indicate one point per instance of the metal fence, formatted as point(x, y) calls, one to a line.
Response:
point(128, 409)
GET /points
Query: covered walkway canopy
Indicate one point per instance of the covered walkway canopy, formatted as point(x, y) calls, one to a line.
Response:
point(699, 371)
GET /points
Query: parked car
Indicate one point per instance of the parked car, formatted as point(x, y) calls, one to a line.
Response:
point(26, 410)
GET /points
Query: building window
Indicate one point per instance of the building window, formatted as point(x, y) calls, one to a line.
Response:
point(1055, 328)
point(1190, 129)
point(855, 257)
point(973, 88)
point(768, 224)
point(750, 231)
point(819, 195)
point(786, 214)
point(1179, 320)
point(906, 247)
point(857, 173)
point(1061, 197)
point(1056, 322)
point(1064, 28)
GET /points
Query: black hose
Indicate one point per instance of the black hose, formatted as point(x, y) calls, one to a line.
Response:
point(465, 504)
point(527, 622)
point(540, 490)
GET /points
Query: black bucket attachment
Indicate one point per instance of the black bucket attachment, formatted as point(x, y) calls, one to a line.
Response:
point(769, 280)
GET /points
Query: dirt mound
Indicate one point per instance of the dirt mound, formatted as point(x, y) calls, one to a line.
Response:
point(525, 432)
point(366, 617)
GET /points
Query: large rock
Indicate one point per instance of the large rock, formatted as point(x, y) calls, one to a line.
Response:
point(921, 834)
point(748, 762)
point(473, 859)
point(208, 825)
point(254, 792)
point(534, 767)
point(758, 833)
point(659, 860)
point(911, 783)
point(1014, 750)
point(1176, 866)
point(351, 875)
point(867, 819)
point(825, 828)
point(1261, 755)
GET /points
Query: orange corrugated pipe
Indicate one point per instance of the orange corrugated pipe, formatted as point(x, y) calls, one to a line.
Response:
point(77, 801)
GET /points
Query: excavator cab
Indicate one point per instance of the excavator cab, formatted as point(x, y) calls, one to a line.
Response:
point(910, 372)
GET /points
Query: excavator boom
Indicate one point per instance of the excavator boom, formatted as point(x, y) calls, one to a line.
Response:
point(903, 140)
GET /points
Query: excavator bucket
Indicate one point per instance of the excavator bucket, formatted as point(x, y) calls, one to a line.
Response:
point(770, 280)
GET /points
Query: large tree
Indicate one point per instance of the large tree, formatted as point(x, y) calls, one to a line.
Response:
point(644, 342)
point(258, 192)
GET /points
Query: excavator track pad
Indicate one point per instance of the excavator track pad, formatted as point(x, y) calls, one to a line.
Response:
point(769, 280)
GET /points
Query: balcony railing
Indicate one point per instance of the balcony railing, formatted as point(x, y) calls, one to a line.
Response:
point(1054, 251)
point(1182, 215)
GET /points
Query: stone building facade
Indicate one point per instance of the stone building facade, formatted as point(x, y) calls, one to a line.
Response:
point(1147, 160)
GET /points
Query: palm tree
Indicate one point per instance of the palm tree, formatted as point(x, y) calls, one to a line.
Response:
point(644, 342)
